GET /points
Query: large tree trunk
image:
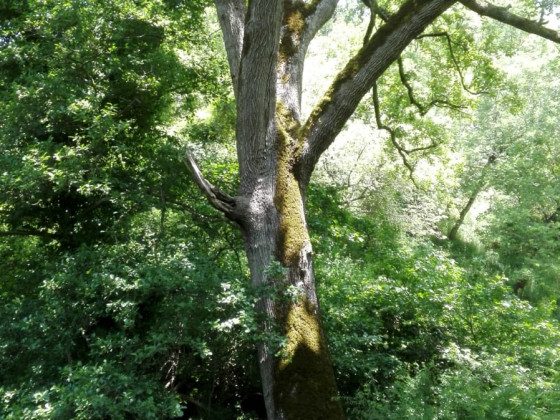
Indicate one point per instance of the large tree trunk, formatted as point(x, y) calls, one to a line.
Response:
point(299, 384)
point(266, 43)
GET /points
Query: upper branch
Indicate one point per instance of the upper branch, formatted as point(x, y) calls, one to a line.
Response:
point(360, 74)
point(503, 15)
point(231, 15)
point(322, 12)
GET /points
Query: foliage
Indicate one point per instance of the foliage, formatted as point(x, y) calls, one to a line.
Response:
point(118, 297)
point(415, 335)
point(138, 329)
point(519, 225)
point(87, 89)
point(123, 296)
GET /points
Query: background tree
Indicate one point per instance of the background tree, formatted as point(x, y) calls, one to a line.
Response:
point(97, 233)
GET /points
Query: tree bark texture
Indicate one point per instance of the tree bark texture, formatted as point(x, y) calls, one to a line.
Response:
point(266, 43)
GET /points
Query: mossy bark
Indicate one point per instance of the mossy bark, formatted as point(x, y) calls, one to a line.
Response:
point(304, 383)
point(267, 42)
point(305, 387)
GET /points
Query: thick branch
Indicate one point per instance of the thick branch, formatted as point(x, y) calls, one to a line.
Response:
point(324, 10)
point(218, 199)
point(422, 109)
point(295, 39)
point(502, 14)
point(231, 15)
point(359, 76)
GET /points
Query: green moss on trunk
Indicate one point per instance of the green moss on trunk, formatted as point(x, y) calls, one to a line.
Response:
point(295, 13)
point(293, 233)
point(305, 387)
point(304, 384)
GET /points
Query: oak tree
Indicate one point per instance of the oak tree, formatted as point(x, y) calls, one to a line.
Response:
point(266, 43)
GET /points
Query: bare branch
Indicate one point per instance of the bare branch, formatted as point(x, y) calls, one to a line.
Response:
point(382, 12)
point(392, 135)
point(502, 14)
point(454, 59)
point(231, 15)
point(422, 109)
point(372, 18)
point(218, 199)
point(324, 10)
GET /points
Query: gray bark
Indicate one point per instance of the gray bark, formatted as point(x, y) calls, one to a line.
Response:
point(268, 70)
point(231, 15)
point(502, 14)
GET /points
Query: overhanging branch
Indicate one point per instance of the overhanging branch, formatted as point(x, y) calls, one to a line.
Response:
point(454, 59)
point(392, 135)
point(359, 75)
point(375, 11)
point(502, 14)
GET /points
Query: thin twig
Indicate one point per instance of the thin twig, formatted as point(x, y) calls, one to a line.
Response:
point(402, 152)
point(422, 109)
point(454, 59)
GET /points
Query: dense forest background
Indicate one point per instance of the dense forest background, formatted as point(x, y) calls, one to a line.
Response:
point(434, 218)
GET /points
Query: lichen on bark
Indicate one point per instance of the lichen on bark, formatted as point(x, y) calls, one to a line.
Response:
point(295, 14)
